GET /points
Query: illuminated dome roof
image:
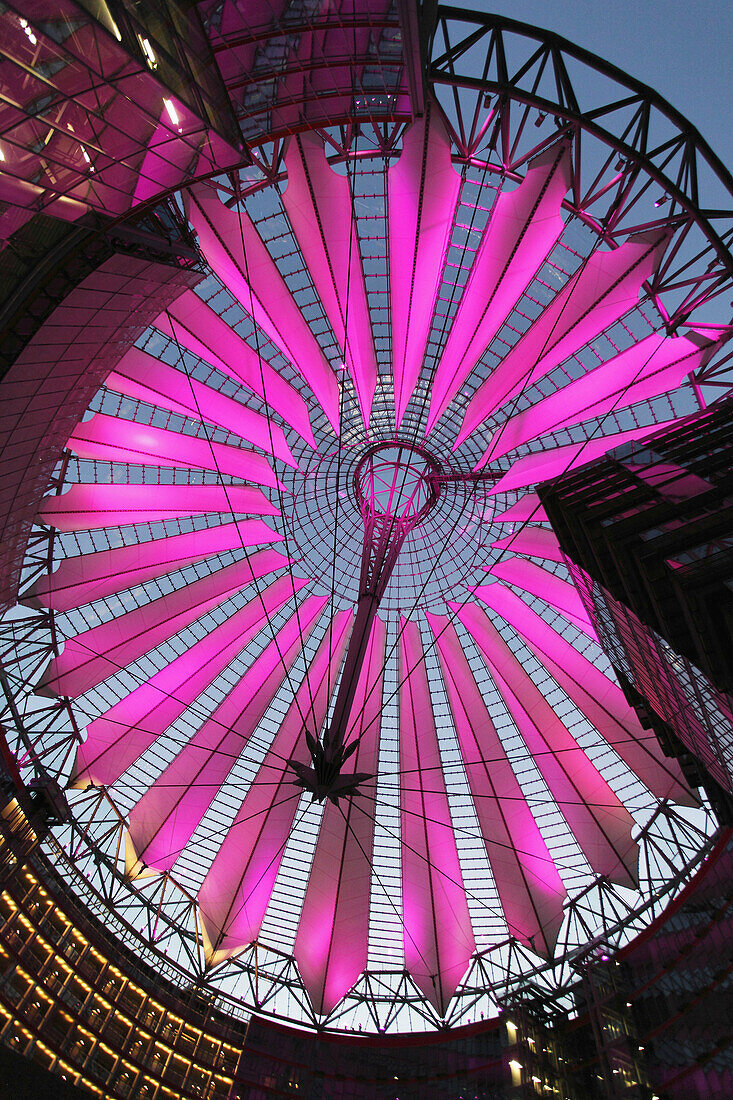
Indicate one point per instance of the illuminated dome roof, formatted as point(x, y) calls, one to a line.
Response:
point(343, 715)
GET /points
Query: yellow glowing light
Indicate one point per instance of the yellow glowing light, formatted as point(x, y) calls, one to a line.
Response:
point(172, 112)
point(147, 49)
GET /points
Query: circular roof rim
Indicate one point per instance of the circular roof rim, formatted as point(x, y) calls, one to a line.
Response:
point(510, 21)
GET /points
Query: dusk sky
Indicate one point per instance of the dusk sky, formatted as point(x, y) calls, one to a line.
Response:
point(681, 48)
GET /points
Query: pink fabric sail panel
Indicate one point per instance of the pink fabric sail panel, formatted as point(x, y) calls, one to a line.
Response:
point(309, 78)
point(85, 507)
point(165, 818)
point(238, 885)
point(319, 206)
point(604, 288)
point(121, 734)
point(145, 378)
point(95, 654)
point(87, 577)
point(529, 886)
point(112, 440)
point(438, 937)
point(524, 227)
point(237, 253)
point(537, 542)
point(240, 28)
point(423, 190)
point(558, 593)
point(194, 326)
point(332, 940)
point(655, 365)
point(598, 698)
point(542, 465)
point(527, 508)
point(599, 822)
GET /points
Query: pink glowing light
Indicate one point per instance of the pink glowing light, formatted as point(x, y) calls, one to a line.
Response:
point(314, 322)
point(597, 818)
point(235, 250)
point(163, 821)
point(540, 466)
point(601, 700)
point(331, 945)
point(239, 883)
point(89, 577)
point(524, 226)
point(653, 366)
point(423, 190)
point(604, 288)
point(319, 206)
point(196, 327)
point(530, 888)
point(438, 938)
point(541, 582)
point(527, 507)
point(85, 506)
point(537, 542)
point(100, 652)
point(121, 734)
point(145, 378)
point(112, 440)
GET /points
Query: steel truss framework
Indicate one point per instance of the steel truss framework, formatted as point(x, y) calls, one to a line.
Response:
point(160, 918)
point(508, 100)
point(653, 151)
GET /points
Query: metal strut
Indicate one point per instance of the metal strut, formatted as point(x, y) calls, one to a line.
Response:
point(396, 485)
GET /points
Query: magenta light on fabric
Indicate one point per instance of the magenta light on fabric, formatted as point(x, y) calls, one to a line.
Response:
point(319, 206)
point(238, 886)
point(87, 577)
point(536, 542)
point(236, 252)
point(651, 367)
point(121, 734)
point(604, 288)
point(558, 593)
point(529, 886)
point(423, 189)
point(438, 937)
point(84, 507)
point(524, 226)
point(599, 698)
point(97, 653)
point(533, 468)
point(399, 311)
point(598, 820)
point(163, 821)
point(194, 326)
point(332, 940)
point(145, 378)
point(112, 440)
point(527, 507)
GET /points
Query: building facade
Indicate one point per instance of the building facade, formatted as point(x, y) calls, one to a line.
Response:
point(646, 531)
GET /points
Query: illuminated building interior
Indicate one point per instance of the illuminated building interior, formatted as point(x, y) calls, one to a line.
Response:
point(314, 743)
